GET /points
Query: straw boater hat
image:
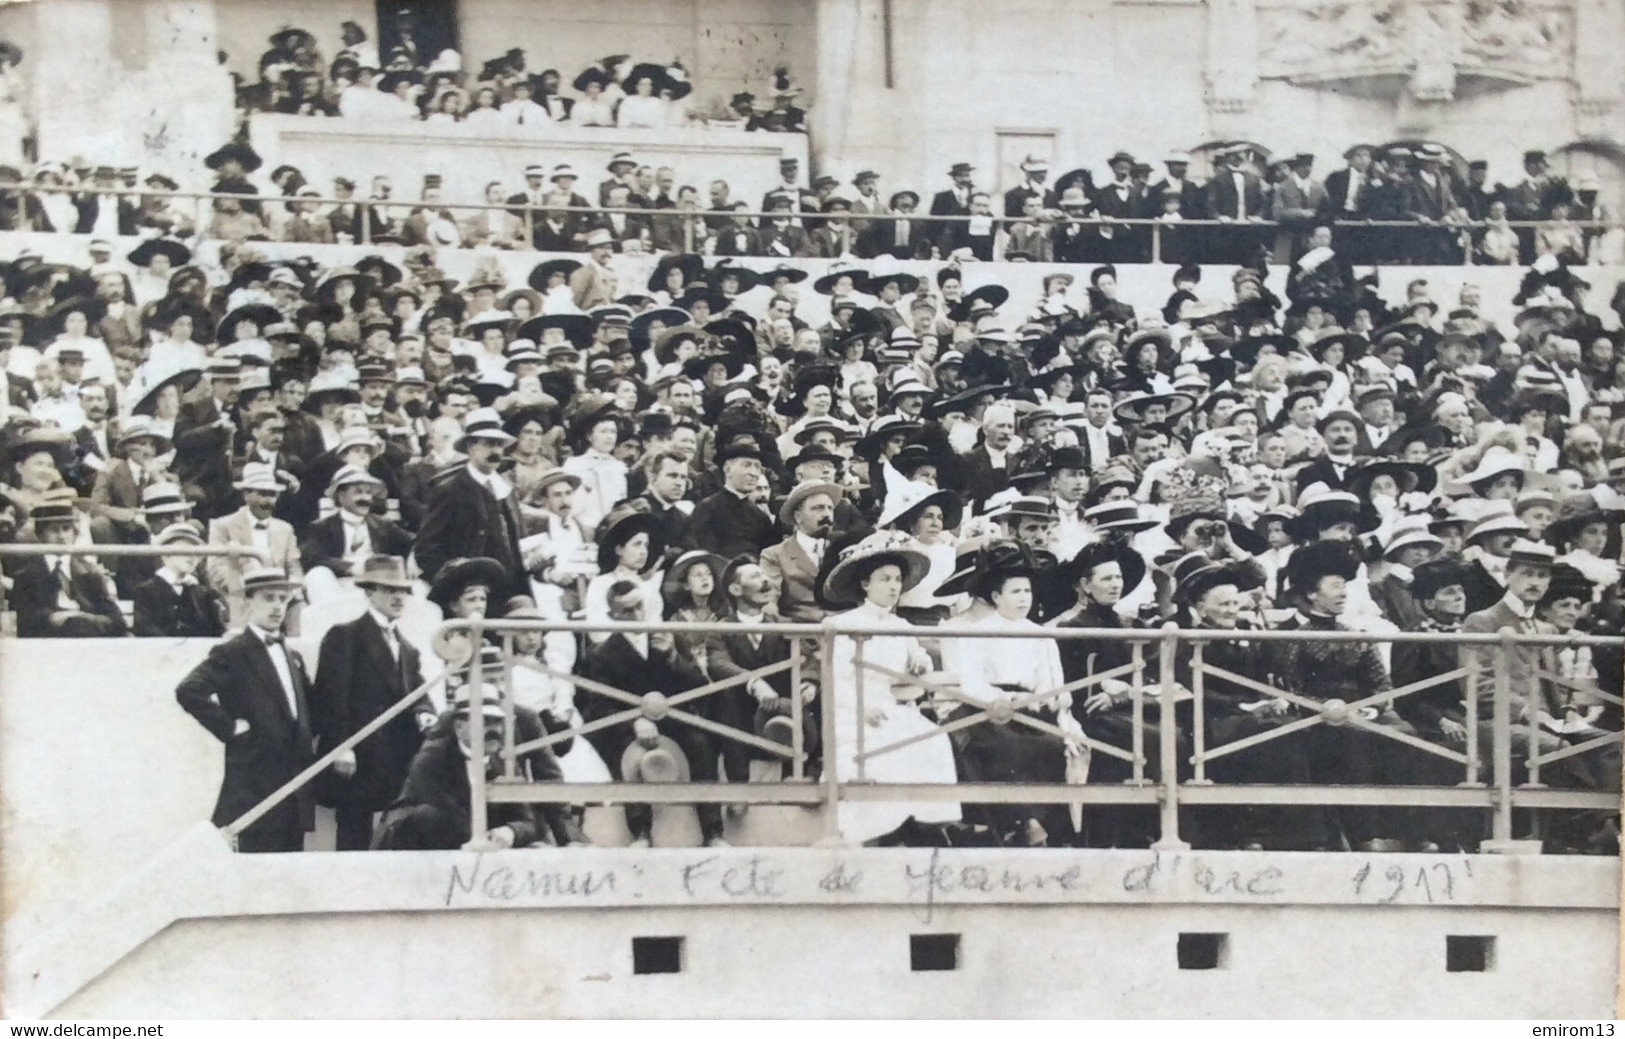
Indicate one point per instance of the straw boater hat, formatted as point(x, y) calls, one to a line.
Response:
point(800, 493)
point(1117, 515)
point(258, 476)
point(57, 505)
point(350, 476)
point(266, 578)
point(140, 427)
point(482, 424)
point(664, 762)
point(162, 498)
point(840, 586)
point(186, 532)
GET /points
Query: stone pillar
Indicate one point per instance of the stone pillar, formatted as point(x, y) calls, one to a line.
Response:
point(1599, 68)
point(1232, 65)
point(839, 24)
point(74, 39)
point(184, 108)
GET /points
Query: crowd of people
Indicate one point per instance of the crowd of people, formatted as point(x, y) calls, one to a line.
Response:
point(1250, 207)
point(411, 84)
point(694, 449)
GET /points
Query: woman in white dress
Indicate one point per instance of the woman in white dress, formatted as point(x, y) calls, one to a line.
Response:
point(872, 576)
point(1010, 670)
point(641, 108)
point(603, 476)
point(629, 549)
point(551, 698)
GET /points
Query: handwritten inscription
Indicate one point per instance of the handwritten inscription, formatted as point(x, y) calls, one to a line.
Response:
point(926, 880)
point(1428, 884)
point(505, 884)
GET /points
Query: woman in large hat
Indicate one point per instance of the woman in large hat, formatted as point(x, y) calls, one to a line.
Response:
point(870, 578)
point(1023, 675)
point(595, 432)
point(674, 273)
point(930, 516)
point(630, 547)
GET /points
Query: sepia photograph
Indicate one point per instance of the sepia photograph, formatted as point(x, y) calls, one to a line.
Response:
point(811, 509)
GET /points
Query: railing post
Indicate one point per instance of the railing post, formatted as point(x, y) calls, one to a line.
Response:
point(1473, 677)
point(688, 235)
point(530, 226)
point(863, 716)
point(1502, 829)
point(1198, 693)
point(798, 739)
point(1156, 242)
point(832, 837)
point(1138, 727)
point(846, 238)
point(1168, 737)
point(510, 703)
point(476, 736)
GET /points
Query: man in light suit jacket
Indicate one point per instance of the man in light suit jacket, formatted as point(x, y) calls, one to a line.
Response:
point(1299, 204)
point(753, 705)
point(117, 494)
point(593, 284)
point(1528, 575)
point(808, 512)
point(252, 526)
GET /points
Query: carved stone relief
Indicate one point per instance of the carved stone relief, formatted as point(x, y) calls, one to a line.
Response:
point(1424, 45)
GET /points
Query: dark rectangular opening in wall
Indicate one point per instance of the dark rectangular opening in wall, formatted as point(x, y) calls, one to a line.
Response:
point(1469, 953)
point(1202, 951)
point(933, 952)
point(660, 955)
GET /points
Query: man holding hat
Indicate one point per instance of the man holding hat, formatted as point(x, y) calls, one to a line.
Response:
point(364, 668)
point(253, 526)
point(251, 693)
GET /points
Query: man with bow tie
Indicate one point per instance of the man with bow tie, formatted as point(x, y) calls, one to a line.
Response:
point(173, 603)
point(253, 526)
point(1068, 482)
point(1341, 431)
point(364, 668)
point(251, 693)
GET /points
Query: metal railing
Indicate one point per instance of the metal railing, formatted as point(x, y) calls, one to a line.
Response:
point(829, 789)
point(34, 548)
point(1144, 239)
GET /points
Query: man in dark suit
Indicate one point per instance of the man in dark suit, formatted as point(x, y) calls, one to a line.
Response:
point(1120, 198)
point(1192, 197)
point(353, 533)
point(472, 511)
point(364, 668)
point(1349, 196)
point(956, 200)
point(1036, 172)
point(988, 463)
point(763, 704)
point(1235, 195)
point(1097, 439)
point(117, 494)
point(905, 238)
point(639, 664)
point(1341, 431)
point(173, 603)
point(728, 522)
point(61, 596)
point(666, 494)
point(251, 693)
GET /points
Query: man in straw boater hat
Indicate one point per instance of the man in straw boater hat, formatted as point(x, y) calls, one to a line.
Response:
point(431, 812)
point(252, 693)
point(365, 666)
point(173, 603)
point(473, 510)
point(253, 526)
point(62, 596)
